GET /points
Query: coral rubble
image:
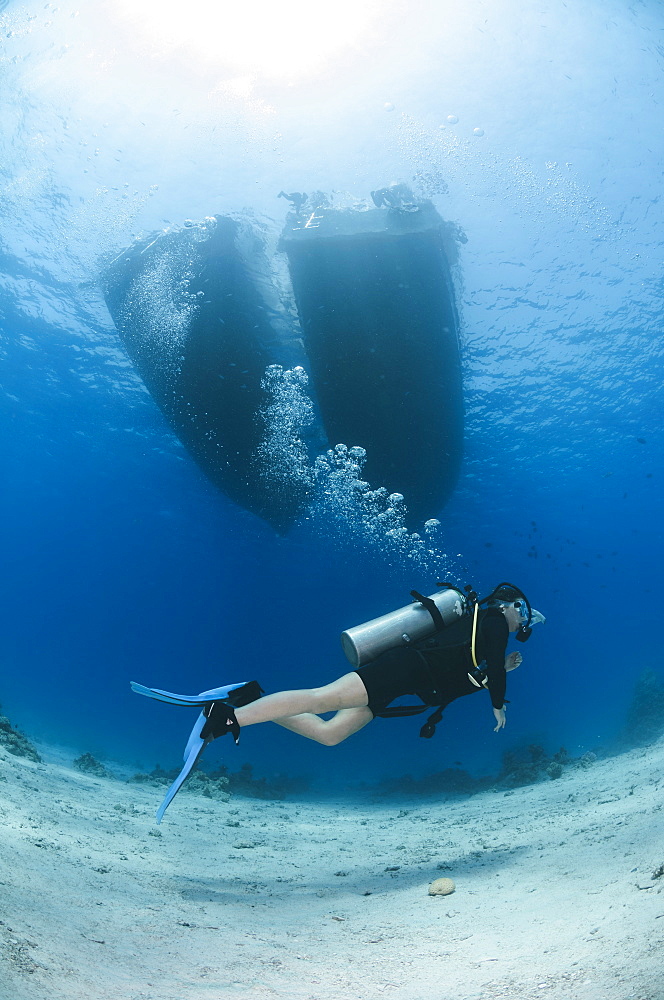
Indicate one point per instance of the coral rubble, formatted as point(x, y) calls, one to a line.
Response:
point(90, 765)
point(15, 742)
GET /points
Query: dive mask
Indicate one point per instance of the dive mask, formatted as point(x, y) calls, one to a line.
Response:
point(529, 617)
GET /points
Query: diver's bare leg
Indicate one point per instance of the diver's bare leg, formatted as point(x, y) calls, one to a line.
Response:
point(329, 732)
point(346, 692)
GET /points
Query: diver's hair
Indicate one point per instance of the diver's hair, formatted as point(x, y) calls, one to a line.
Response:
point(506, 595)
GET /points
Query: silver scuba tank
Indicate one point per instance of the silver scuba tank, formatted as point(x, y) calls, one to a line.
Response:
point(400, 628)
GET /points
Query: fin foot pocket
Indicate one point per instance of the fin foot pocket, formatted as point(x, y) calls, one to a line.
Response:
point(245, 694)
point(220, 719)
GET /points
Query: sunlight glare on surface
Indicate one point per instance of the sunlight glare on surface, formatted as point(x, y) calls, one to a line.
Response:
point(286, 40)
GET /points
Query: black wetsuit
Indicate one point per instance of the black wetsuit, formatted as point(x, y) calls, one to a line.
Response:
point(436, 670)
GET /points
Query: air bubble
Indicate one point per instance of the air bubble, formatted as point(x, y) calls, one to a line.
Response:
point(282, 455)
point(452, 119)
point(388, 106)
point(478, 131)
point(340, 503)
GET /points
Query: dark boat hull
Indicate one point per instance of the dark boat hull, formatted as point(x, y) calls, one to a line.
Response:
point(193, 321)
point(380, 328)
point(380, 334)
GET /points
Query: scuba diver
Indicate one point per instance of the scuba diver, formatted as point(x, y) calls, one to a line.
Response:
point(438, 670)
point(296, 198)
point(463, 652)
point(396, 197)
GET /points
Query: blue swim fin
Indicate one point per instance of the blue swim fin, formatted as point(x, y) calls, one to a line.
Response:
point(193, 750)
point(191, 700)
point(195, 744)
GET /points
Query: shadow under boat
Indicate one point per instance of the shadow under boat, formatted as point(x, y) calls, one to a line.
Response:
point(199, 317)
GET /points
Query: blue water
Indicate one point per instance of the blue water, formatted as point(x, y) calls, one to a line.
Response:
point(535, 128)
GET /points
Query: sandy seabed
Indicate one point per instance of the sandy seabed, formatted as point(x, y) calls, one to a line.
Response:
point(308, 900)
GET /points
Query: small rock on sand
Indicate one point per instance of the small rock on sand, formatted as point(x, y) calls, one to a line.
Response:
point(441, 887)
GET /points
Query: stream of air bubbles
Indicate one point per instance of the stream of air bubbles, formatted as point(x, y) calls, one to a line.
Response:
point(341, 503)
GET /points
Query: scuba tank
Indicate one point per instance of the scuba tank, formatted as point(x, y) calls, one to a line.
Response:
point(416, 621)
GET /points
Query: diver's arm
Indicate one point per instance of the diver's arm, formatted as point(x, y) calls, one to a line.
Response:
point(500, 717)
point(511, 663)
point(495, 634)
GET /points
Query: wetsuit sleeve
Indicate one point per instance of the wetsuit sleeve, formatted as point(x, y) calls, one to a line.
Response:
point(495, 633)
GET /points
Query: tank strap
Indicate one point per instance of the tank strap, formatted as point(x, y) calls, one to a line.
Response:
point(429, 727)
point(430, 605)
point(398, 711)
point(401, 710)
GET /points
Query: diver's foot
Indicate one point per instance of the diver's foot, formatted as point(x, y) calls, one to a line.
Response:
point(220, 720)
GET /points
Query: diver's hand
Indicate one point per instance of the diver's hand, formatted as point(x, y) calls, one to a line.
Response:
point(500, 717)
point(513, 661)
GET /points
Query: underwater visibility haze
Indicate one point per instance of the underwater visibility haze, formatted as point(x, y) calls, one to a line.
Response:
point(531, 135)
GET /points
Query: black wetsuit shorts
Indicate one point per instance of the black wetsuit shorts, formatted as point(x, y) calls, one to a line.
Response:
point(396, 672)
